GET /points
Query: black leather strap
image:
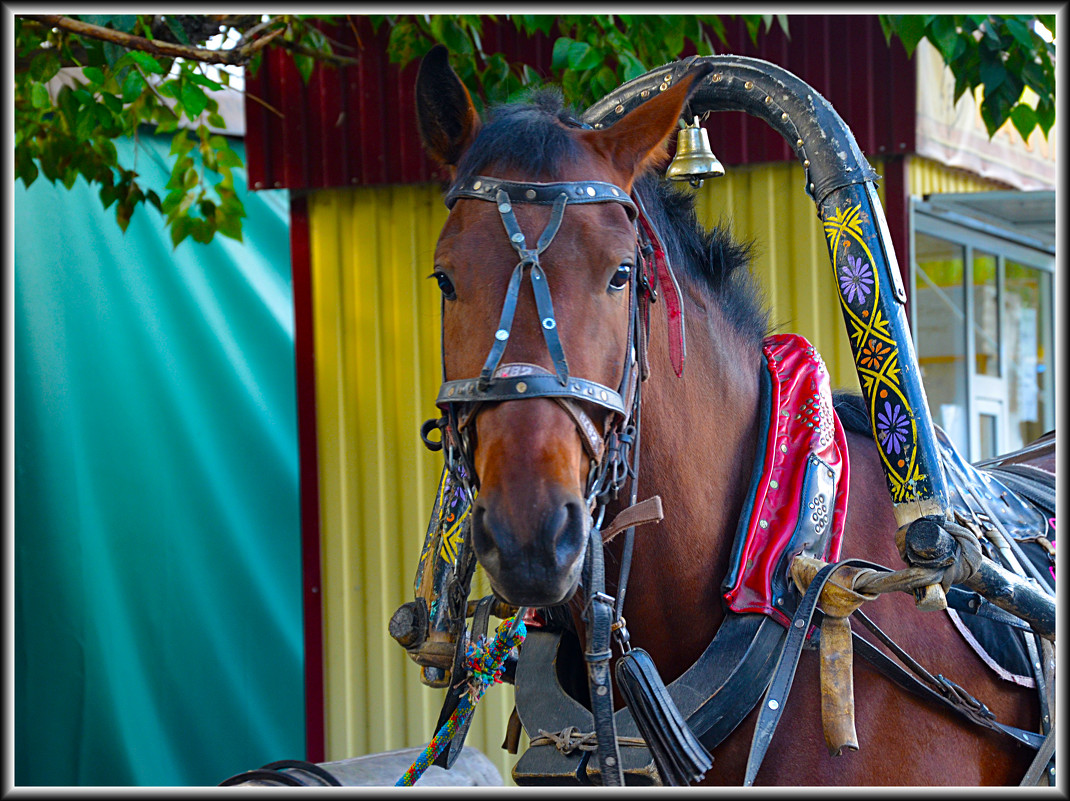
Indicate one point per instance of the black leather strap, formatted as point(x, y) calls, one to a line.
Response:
point(908, 682)
point(529, 386)
point(482, 187)
point(598, 617)
point(505, 327)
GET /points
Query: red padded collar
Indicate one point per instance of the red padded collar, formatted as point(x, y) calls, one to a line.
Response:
point(802, 421)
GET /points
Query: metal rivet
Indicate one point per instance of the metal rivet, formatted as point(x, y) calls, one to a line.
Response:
point(505, 208)
point(590, 391)
point(774, 703)
point(590, 191)
point(806, 162)
point(799, 142)
point(517, 237)
point(783, 115)
point(763, 523)
point(501, 335)
point(521, 386)
point(779, 601)
point(613, 189)
point(530, 194)
point(784, 448)
point(716, 77)
point(601, 690)
point(549, 323)
point(774, 484)
point(799, 624)
point(811, 187)
point(645, 93)
point(619, 109)
point(748, 85)
point(603, 395)
point(663, 87)
point(667, 77)
point(451, 390)
point(477, 184)
point(768, 100)
point(610, 761)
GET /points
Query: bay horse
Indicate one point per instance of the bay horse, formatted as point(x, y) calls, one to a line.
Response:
point(530, 521)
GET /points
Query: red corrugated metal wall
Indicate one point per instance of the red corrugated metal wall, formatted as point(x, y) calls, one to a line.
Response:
point(356, 125)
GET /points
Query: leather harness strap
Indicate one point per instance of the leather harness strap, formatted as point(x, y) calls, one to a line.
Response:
point(598, 617)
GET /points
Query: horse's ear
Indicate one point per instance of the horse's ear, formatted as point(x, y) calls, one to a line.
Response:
point(639, 138)
point(447, 119)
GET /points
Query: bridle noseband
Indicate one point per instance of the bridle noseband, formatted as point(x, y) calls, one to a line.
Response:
point(461, 399)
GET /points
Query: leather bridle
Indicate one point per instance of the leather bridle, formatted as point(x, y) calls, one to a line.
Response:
point(613, 451)
point(462, 399)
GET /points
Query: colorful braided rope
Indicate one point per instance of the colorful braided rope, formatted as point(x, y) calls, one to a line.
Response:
point(486, 665)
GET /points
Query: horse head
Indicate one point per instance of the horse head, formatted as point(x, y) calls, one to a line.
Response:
point(538, 287)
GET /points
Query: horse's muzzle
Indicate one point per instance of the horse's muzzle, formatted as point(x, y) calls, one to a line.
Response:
point(532, 558)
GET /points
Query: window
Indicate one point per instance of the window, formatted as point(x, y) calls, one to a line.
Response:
point(981, 314)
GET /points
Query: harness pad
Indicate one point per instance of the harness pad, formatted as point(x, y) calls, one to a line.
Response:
point(798, 500)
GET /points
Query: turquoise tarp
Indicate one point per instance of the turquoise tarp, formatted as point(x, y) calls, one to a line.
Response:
point(157, 572)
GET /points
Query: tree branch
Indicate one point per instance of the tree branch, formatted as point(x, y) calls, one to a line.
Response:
point(235, 56)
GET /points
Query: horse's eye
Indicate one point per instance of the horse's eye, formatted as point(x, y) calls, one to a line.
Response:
point(620, 277)
point(445, 284)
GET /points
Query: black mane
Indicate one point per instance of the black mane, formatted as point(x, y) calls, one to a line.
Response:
point(528, 136)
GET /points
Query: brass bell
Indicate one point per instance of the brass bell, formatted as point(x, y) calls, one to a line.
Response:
point(694, 159)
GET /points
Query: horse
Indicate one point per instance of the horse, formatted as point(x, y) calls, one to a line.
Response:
point(532, 457)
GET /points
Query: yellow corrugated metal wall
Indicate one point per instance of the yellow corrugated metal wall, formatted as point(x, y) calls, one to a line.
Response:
point(376, 320)
point(377, 372)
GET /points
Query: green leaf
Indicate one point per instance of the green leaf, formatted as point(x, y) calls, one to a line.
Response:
point(180, 143)
point(194, 99)
point(1024, 120)
point(581, 56)
point(1021, 31)
point(633, 67)
point(39, 97)
point(176, 28)
point(44, 66)
point(305, 65)
point(993, 75)
point(132, 86)
point(942, 33)
point(203, 80)
point(180, 229)
point(112, 53)
point(1045, 112)
point(114, 104)
point(559, 58)
point(910, 28)
point(147, 62)
point(229, 159)
point(25, 169)
point(95, 75)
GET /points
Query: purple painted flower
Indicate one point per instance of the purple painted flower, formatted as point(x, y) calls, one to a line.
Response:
point(856, 279)
point(892, 427)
